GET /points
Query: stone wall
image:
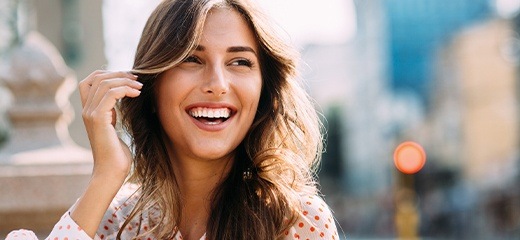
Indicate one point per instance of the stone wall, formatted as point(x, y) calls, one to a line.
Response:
point(42, 170)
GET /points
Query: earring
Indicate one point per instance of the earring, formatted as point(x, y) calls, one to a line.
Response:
point(247, 175)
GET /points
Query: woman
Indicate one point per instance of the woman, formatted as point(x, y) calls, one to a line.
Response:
point(224, 139)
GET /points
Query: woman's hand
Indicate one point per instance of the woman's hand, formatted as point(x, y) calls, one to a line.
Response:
point(100, 92)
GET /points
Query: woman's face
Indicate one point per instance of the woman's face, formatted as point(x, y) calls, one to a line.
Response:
point(207, 104)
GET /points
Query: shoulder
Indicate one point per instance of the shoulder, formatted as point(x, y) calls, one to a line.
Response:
point(119, 211)
point(315, 221)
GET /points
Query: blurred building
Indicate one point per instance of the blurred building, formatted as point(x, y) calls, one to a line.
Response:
point(409, 74)
point(474, 124)
point(417, 29)
point(478, 89)
point(76, 29)
point(350, 85)
point(349, 82)
point(40, 178)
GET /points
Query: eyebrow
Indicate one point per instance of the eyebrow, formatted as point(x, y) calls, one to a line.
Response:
point(241, 49)
point(233, 49)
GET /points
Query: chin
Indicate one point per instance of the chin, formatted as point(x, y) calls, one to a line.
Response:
point(214, 153)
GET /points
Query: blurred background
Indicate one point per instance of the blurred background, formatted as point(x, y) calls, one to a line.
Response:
point(441, 73)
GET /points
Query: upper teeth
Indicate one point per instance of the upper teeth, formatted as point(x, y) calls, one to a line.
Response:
point(210, 112)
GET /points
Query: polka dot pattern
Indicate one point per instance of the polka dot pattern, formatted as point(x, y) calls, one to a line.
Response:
point(65, 229)
point(315, 221)
point(21, 234)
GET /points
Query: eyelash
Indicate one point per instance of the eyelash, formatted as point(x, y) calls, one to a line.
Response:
point(242, 62)
point(238, 62)
point(193, 59)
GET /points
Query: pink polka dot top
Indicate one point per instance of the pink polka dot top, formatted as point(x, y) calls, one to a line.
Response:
point(314, 222)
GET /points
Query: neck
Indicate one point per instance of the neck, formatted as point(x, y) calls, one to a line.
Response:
point(197, 179)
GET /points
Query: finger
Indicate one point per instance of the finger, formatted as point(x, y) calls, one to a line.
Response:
point(102, 112)
point(86, 84)
point(101, 76)
point(108, 84)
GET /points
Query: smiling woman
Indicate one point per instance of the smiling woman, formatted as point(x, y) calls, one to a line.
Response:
point(222, 74)
point(225, 139)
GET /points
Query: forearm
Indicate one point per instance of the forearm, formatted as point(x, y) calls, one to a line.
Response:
point(92, 205)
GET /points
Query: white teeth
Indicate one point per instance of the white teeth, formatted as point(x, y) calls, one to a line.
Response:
point(210, 112)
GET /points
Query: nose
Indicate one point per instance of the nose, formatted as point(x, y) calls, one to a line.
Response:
point(216, 83)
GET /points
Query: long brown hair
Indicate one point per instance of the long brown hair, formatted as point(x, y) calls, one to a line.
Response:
point(279, 154)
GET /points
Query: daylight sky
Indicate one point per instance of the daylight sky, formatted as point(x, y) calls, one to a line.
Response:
point(311, 21)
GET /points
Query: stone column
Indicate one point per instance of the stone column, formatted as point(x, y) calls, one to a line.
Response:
point(42, 172)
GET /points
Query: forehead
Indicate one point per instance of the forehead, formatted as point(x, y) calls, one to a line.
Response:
point(225, 26)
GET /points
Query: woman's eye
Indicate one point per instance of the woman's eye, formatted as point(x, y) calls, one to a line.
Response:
point(192, 59)
point(242, 62)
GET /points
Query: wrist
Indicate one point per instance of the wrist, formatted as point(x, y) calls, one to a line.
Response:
point(109, 178)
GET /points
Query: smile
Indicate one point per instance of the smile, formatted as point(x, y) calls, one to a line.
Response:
point(210, 116)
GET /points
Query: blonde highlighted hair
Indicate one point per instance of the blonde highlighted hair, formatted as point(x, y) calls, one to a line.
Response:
point(281, 149)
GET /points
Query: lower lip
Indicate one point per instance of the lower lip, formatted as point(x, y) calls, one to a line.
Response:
point(211, 127)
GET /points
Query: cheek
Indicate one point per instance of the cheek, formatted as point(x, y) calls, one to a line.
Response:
point(251, 100)
point(162, 103)
point(247, 88)
point(167, 104)
point(173, 90)
point(252, 92)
